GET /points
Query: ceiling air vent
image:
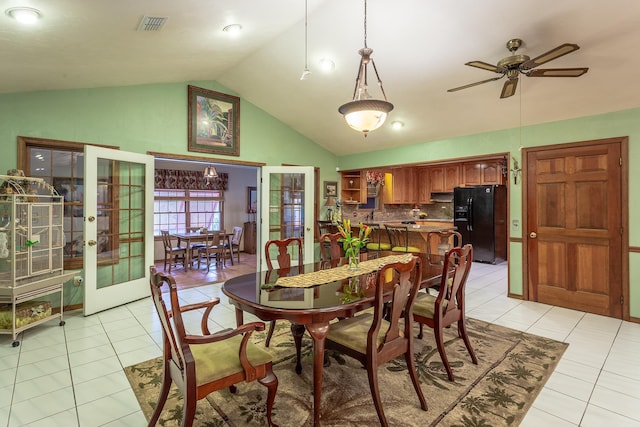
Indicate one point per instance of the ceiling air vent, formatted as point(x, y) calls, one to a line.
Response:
point(152, 23)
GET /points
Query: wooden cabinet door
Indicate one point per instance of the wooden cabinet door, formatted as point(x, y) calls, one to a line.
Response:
point(491, 173)
point(472, 173)
point(436, 179)
point(423, 185)
point(451, 178)
point(482, 173)
point(403, 185)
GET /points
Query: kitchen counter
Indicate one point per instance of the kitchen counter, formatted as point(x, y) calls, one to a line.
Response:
point(418, 235)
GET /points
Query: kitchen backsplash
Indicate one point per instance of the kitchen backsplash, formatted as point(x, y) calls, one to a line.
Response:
point(441, 211)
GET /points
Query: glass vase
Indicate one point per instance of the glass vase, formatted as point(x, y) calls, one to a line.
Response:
point(354, 259)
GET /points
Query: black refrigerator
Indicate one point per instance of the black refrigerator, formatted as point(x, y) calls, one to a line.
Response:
point(480, 216)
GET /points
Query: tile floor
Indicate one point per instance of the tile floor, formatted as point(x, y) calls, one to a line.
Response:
point(72, 375)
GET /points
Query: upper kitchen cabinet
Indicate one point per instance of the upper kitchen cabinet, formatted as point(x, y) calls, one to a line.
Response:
point(482, 173)
point(353, 187)
point(443, 179)
point(403, 185)
point(423, 185)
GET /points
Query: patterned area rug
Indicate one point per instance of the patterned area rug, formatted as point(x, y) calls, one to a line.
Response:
point(512, 368)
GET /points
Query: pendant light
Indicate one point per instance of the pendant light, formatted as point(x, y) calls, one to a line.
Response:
point(210, 172)
point(306, 72)
point(365, 113)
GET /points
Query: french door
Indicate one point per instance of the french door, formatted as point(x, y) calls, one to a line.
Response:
point(118, 227)
point(286, 208)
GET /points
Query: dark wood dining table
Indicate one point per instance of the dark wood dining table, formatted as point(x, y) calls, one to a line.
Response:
point(311, 307)
point(201, 237)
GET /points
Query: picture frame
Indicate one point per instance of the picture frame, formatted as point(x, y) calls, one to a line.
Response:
point(214, 122)
point(330, 189)
point(252, 200)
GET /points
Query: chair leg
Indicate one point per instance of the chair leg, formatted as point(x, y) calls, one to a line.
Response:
point(272, 326)
point(462, 332)
point(162, 398)
point(443, 355)
point(271, 382)
point(298, 331)
point(420, 333)
point(411, 366)
point(372, 373)
point(165, 261)
point(189, 409)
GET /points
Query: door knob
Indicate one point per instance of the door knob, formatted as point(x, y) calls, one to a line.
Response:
point(533, 235)
point(92, 243)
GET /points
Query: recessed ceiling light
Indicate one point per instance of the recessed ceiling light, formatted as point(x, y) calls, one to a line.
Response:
point(396, 124)
point(24, 15)
point(327, 65)
point(232, 29)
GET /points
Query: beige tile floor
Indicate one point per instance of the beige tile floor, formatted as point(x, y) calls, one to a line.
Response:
point(73, 375)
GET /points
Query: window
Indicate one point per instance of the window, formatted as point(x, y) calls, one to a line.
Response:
point(179, 211)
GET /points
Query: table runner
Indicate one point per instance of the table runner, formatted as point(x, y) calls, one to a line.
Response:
point(308, 280)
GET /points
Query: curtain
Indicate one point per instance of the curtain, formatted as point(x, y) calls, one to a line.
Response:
point(189, 180)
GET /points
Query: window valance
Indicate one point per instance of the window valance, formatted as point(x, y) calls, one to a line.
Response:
point(189, 180)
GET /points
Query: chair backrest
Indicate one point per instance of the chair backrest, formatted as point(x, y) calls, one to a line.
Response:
point(237, 235)
point(405, 282)
point(166, 239)
point(326, 227)
point(374, 236)
point(398, 235)
point(284, 254)
point(173, 348)
point(439, 242)
point(330, 248)
point(455, 271)
point(212, 240)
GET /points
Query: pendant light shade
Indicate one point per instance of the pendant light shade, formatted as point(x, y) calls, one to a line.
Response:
point(210, 172)
point(364, 113)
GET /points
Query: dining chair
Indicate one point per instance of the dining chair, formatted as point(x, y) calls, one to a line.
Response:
point(235, 241)
point(375, 238)
point(399, 238)
point(212, 250)
point(326, 227)
point(283, 257)
point(375, 338)
point(172, 254)
point(208, 362)
point(441, 311)
point(330, 249)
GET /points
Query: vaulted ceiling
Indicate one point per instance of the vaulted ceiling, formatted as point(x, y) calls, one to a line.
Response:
point(420, 48)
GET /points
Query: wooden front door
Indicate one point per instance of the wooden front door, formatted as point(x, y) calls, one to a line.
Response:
point(574, 226)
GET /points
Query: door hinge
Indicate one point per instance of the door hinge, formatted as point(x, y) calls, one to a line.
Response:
point(620, 161)
point(621, 231)
point(621, 299)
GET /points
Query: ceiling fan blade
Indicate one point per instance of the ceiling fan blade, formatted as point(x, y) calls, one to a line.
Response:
point(485, 66)
point(509, 88)
point(554, 53)
point(557, 72)
point(475, 84)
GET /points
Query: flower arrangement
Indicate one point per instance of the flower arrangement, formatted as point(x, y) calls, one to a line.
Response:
point(352, 244)
point(375, 178)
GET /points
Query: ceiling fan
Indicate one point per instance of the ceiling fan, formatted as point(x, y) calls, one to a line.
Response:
point(514, 65)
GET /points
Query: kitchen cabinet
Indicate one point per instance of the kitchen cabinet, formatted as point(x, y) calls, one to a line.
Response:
point(423, 185)
point(353, 187)
point(482, 173)
point(442, 179)
point(403, 185)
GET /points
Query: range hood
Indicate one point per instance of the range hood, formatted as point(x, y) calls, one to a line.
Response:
point(441, 197)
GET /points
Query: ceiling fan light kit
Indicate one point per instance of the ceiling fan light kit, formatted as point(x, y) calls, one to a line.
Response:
point(516, 64)
point(364, 113)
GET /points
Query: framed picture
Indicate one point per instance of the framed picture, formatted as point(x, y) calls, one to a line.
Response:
point(252, 200)
point(214, 122)
point(330, 189)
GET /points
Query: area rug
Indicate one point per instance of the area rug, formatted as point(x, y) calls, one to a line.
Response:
point(512, 368)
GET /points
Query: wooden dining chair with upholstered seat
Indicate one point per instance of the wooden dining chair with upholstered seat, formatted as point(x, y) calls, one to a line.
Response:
point(330, 249)
point(374, 338)
point(399, 238)
point(439, 242)
point(285, 249)
point(213, 250)
point(447, 307)
point(172, 254)
point(202, 364)
point(235, 242)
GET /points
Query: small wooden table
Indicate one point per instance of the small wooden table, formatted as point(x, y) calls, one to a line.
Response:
point(311, 308)
point(201, 237)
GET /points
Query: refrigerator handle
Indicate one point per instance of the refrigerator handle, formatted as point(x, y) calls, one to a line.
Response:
point(470, 213)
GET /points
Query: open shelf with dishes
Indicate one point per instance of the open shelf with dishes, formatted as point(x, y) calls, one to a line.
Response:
point(353, 187)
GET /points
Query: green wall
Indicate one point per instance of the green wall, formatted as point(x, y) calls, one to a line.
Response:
point(622, 123)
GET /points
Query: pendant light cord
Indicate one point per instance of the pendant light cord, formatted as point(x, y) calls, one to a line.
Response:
point(365, 24)
point(305, 33)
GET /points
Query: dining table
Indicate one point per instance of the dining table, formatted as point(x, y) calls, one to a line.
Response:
point(314, 294)
point(198, 236)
